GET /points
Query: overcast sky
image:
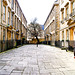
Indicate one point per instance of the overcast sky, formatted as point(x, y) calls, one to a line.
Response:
point(36, 8)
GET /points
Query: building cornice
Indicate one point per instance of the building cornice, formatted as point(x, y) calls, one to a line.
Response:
point(49, 23)
point(55, 4)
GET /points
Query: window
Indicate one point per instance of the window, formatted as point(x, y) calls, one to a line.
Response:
point(9, 0)
point(3, 35)
point(73, 6)
point(62, 15)
point(73, 9)
point(20, 14)
point(63, 35)
point(15, 21)
point(62, 1)
point(11, 19)
point(67, 11)
point(15, 7)
point(17, 10)
point(67, 35)
point(4, 13)
point(12, 4)
point(8, 18)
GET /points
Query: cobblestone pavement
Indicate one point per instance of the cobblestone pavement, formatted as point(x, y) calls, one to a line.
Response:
point(32, 60)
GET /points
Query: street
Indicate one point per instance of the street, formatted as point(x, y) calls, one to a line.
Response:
point(33, 60)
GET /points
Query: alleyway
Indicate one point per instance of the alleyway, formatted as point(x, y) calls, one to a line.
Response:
point(32, 60)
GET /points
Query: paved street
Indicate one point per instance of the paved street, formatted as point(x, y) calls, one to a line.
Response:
point(32, 60)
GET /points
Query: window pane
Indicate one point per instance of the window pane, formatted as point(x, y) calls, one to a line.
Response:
point(8, 17)
point(67, 35)
point(63, 35)
point(73, 5)
point(62, 15)
point(15, 7)
point(12, 19)
point(4, 9)
point(12, 4)
point(67, 11)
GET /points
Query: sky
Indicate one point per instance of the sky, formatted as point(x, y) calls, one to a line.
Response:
point(36, 9)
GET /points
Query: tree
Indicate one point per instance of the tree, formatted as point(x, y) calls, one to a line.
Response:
point(35, 30)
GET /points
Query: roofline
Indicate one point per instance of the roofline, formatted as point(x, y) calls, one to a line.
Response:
point(55, 3)
point(21, 10)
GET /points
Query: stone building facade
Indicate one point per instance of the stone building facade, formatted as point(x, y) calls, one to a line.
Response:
point(67, 23)
point(60, 24)
point(51, 26)
point(13, 24)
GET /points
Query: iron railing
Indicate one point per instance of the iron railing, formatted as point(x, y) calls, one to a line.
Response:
point(9, 44)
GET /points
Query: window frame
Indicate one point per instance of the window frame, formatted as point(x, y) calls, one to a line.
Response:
point(67, 11)
point(8, 17)
point(67, 34)
point(73, 7)
point(11, 19)
point(62, 35)
point(4, 13)
point(12, 4)
point(62, 14)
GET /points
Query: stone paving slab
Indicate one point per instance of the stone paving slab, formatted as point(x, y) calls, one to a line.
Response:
point(33, 60)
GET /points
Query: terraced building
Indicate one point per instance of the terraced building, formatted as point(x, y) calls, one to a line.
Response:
point(13, 24)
